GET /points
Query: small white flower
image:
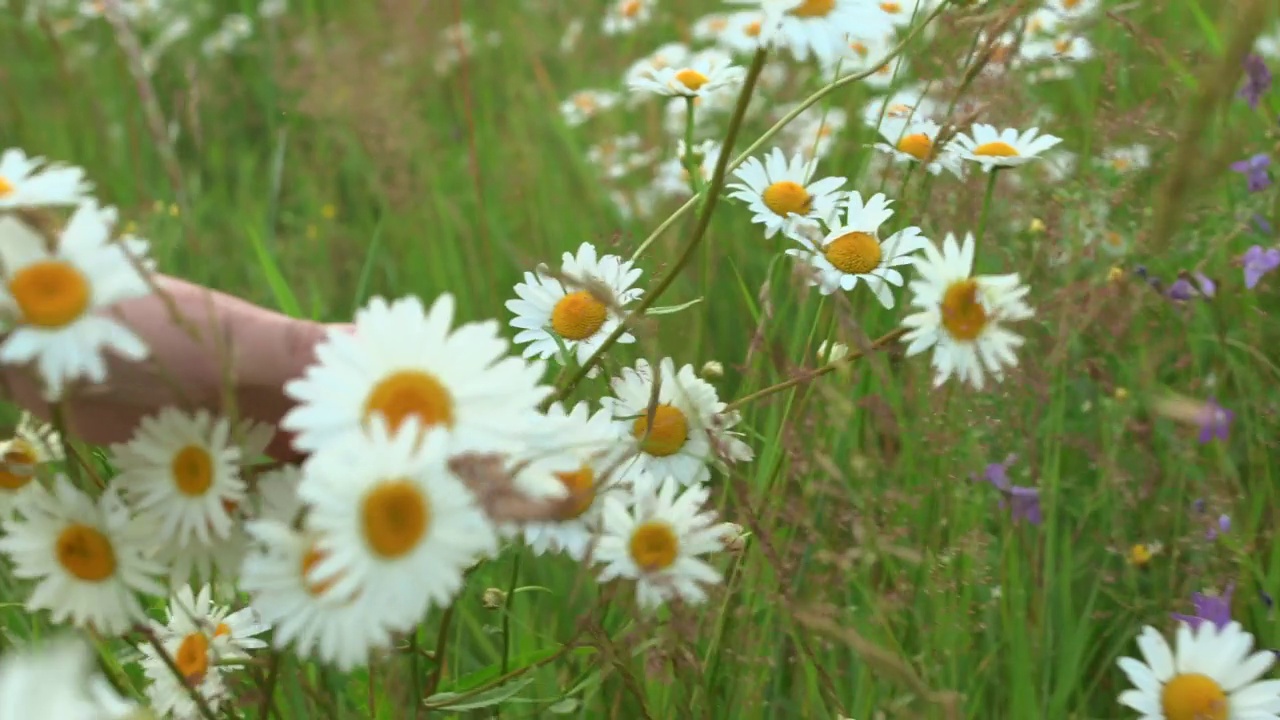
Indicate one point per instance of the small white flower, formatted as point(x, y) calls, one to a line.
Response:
point(853, 251)
point(1128, 158)
point(89, 557)
point(657, 542)
point(1210, 674)
point(394, 523)
point(677, 442)
point(337, 628)
point(625, 16)
point(182, 470)
point(33, 182)
point(1072, 9)
point(814, 28)
point(993, 148)
point(962, 316)
point(467, 382)
point(667, 56)
point(905, 104)
point(33, 445)
point(58, 680)
point(741, 35)
point(576, 311)
point(916, 141)
point(56, 297)
point(782, 194)
point(586, 104)
point(704, 73)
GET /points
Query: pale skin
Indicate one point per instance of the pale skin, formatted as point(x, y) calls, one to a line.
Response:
point(189, 367)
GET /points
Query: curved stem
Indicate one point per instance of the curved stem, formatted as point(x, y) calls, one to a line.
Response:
point(986, 204)
point(801, 379)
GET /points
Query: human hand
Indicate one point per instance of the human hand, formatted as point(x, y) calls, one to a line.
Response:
point(259, 351)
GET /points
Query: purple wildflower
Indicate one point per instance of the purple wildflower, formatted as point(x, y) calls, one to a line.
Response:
point(1025, 501)
point(1215, 420)
point(1262, 224)
point(1223, 526)
point(1189, 286)
point(1216, 610)
point(1259, 261)
point(1257, 80)
point(1254, 168)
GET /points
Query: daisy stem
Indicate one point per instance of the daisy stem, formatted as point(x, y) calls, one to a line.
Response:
point(986, 204)
point(690, 162)
point(803, 378)
point(442, 645)
point(506, 614)
point(795, 112)
point(59, 418)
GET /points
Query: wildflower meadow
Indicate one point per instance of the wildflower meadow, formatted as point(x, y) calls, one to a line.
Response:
point(639, 359)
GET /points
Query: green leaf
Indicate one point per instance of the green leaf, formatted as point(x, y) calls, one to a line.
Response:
point(669, 309)
point(488, 698)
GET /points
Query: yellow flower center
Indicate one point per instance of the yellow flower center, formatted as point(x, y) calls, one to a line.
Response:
point(962, 315)
point(1120, 163)
point(998, 148)
point(813, 8)
point(410, 393)
point(86, 553)
point(584, 102)
point(1139, 555)
point(859, 47)
point(50, 293)
point(6, 188)
point(668, 433)
point(581, 486)
point(717, 24)
point(312, 557)
point(1070, 4)
point(192, 658)
point(1113, 238)
point(854, 253)
point(578, 316)
point(222, 630)
point(654, 546)
point(395, 516)
point(192, 469)
point(1062, 45)
point(752, 29)
point(917, 145)
point(1194, 697)
point(891, 7)
point(691, 78)
point(19, 465)
point(631, 8)
point(785, 197)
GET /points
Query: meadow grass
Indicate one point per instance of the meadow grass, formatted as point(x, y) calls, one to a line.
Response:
point(326, 162)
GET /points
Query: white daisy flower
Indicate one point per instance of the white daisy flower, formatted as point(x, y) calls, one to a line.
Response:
point(667, 56)
point(993, 148)
point(1268, 44)
point(337, 628)
point(204, 640)
point(671, 177)
point(1072, 8)
point(962, 316)
point(657, 542)
point(814, 131)
point(34, 444)
point(1211, 674)
point(620, 156)
point(704, 73)
point(55, 297)
point(742, 32)
point(89, 557)
point(625, 16)
point(394, 522)
point(781, 193)
point(916, 141)
point(1060, 48)
point(1128, 158)
point(33, 182)
point(677, 441)
point(58, 680)
point(900, 14)
point(596, 441)
point(853, 251)
point(904, 104)
point(466, 383)
point(276, 492)
point(816, 28)
point(708, 28)
point(182, 470)
point(577, 310)
point(586, 104)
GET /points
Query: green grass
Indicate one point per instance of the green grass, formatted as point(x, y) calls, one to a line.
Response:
point(859, 502)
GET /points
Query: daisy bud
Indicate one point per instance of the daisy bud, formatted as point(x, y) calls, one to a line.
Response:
point(493, 599)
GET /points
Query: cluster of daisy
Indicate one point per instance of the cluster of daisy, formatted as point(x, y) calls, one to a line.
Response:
point(162, 25)
point(429, 448)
